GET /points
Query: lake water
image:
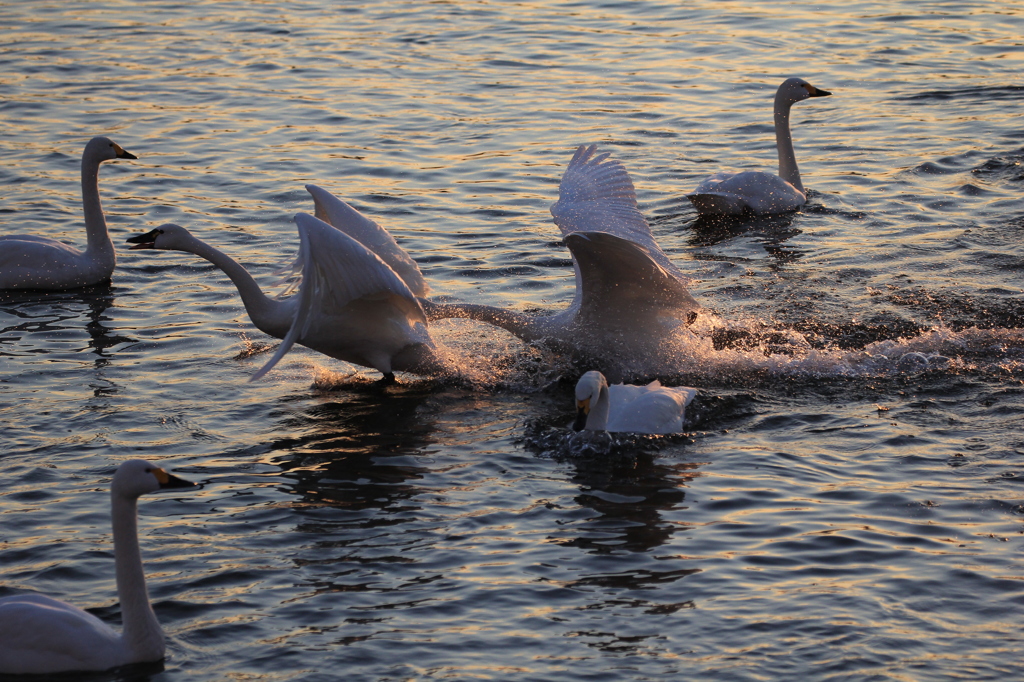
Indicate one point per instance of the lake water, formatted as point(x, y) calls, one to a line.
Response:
point(848, 502)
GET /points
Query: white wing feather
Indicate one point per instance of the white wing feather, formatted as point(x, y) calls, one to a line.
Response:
point(336, 270)
point(336, 212)
point(597, 195)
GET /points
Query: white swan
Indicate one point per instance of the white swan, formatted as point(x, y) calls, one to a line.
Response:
point(30, 262)
point(624, 408)
point(629, 295)
point(756, 191)
point(39, 634)
point(350, 305)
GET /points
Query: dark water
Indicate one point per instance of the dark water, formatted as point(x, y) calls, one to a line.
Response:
point(848, 502)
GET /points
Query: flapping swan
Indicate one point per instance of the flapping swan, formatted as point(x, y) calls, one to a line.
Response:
point(39, 634)
point(350, 304)
point(629, 295)
point(756, 191)
point(624, 408)
point(30, 262)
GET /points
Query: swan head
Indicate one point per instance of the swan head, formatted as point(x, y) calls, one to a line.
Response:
point(795, 90)
point(588, 390)
point(105, 149)
point(167, 237)
point(137, 477)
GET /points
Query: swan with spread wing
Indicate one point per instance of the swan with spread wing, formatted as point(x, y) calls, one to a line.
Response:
point(629, 295)
point(351, 304)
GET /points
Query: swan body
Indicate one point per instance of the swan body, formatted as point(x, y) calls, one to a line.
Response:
point(759, 192)
point(622, 408)
point(39, 634)
point(629, 295)
point(31, 262)
point(350, 304)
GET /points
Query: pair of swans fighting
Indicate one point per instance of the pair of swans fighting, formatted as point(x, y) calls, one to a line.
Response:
point(361, 297)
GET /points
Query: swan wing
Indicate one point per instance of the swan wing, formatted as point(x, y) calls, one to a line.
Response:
point(336, 271)
point(596, 194)
point(336, 212)
point(745, 192)
point(619, 284)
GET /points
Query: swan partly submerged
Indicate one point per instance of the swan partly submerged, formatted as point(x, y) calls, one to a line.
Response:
point(31, 262)
point(39, 634)
point(629, 295)
point(729, 193)
point(350, 304)
point(622, 408)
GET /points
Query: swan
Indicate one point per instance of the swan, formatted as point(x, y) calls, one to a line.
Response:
point(350, 304)
point(39, 634)
point(31, 262)
point(629, 295)
point(756, 191)
point(626, 408)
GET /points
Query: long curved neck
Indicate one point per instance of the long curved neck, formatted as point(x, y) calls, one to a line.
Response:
point(269, 315)
point(141, 634)
point(597, 420)
point(525, 327)
point(788, 170)
point(98, 240)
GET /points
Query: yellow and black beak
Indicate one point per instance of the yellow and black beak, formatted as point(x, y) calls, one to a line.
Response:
point(817, 92)
point(144, 241)
point(122, 154)
point(582, 410)
point(167, 480)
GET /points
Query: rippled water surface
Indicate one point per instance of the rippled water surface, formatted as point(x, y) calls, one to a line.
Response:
point(848, 502)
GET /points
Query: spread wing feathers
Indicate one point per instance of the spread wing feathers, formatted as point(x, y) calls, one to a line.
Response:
point(619, 281)
point(597, 195)
point(337, 270)
point(336, 212)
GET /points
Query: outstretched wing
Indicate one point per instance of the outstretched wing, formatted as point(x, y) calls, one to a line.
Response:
point(619, 283)
point(337, 270)
point(336, 212)
point(597, 195)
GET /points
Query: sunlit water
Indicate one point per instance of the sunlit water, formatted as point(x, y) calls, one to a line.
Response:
point(849, 500)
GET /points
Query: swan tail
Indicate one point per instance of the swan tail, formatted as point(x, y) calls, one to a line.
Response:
point(335, 212)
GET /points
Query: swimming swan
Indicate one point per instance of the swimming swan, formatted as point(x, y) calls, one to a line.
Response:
point(350, 304)
point(39, 634)
point(629, 295)
point(756, 191)
point(30, 262)
point(624, 408)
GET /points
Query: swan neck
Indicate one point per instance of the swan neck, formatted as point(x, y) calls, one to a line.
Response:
point(269, 315)
point(98, 240)
point(141, 634)
point(523, 326)
point(788, 170)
